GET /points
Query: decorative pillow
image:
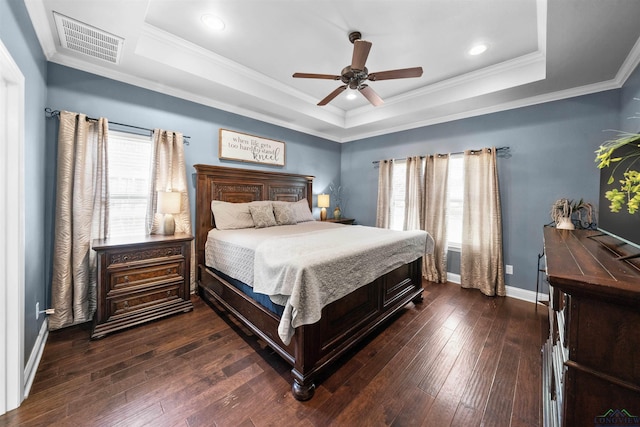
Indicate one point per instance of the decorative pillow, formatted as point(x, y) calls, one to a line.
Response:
point(284, 214)
point(262, 216)
point(301, 211)
point(231, 216)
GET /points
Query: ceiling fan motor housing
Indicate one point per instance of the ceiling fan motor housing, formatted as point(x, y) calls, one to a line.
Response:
point(353, 78)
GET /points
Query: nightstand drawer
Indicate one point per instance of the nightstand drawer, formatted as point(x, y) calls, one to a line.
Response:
point(129, 304)
point(125, 257)
point(126, 279)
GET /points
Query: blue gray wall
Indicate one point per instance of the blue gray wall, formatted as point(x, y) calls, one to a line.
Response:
point(19, 38)
point(552, 156)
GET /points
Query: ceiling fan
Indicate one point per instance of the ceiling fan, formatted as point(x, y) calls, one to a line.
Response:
point(353, 76)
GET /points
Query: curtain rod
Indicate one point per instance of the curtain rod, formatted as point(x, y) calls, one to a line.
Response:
point(56, 113)
point(458, 152)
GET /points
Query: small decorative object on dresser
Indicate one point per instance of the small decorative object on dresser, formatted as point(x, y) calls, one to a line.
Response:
point(566, 214)
point(140, 280)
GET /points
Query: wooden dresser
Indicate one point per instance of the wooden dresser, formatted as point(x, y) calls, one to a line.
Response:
point(591, 362)
point(140, 280)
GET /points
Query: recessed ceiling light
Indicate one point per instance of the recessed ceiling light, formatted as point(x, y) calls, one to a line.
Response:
point(213, 22)
point(478, 49)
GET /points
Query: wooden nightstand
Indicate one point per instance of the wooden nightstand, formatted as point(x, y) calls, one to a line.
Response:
point(341, 220)
point(140, 280)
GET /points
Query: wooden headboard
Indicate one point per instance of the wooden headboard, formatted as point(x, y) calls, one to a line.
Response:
point(241, 186)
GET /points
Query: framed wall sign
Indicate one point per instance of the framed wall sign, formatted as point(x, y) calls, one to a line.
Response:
point(250, 148)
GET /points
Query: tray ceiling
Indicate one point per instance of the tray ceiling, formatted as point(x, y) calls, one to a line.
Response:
point(538, 51)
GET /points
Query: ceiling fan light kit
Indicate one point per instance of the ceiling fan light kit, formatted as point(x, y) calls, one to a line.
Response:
point(353, 76)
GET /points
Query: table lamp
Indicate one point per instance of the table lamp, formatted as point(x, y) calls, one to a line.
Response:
point(324, 203)
point(168, 204)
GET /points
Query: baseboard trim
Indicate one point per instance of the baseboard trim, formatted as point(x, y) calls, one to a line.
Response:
point(512, 291)
point(34, 359)
point(453, 278)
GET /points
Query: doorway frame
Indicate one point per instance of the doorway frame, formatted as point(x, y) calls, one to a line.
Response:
point(12, 231)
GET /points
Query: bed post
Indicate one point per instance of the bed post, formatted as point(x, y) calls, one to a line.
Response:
point(300, 391)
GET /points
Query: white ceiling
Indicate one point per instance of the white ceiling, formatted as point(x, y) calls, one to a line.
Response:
point(538, 51)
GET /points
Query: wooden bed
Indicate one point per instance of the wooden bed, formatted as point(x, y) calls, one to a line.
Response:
point(344, 322)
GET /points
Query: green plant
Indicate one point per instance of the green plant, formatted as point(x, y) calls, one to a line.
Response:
point(629, 190)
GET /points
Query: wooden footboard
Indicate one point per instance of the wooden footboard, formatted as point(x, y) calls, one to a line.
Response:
point(344, 323)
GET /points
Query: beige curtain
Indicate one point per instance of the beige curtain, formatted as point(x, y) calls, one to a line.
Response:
point(481, 261)
point(385, 193)
point(169, 173)
point(414, 194)
point(434, 266)
point(82, 214)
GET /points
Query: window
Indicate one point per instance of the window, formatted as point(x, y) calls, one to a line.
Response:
point(397, 201)
point(455, 191)
point(129, 171)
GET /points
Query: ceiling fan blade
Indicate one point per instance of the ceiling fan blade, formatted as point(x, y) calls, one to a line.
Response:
point(396, 74)
point(332, 95)
point(316, 76)
point(371, 95)
point(361, 50)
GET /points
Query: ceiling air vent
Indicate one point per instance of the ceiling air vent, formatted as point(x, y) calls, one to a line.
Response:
point(88, 40)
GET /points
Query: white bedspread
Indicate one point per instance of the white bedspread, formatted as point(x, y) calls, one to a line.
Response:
point(305, 267)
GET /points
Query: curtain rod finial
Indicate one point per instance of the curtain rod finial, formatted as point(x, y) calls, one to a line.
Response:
point(48, 112)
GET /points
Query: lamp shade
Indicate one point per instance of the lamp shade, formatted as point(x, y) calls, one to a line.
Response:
point(168, 202)
point(323, 201)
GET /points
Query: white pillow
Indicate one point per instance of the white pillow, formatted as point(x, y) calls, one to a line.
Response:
point(301, 211)
point(231, 216)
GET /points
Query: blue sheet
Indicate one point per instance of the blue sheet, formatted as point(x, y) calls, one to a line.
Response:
point(261, 299)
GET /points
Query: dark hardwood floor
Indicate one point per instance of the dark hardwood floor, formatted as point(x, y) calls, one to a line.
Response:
point(459, 359)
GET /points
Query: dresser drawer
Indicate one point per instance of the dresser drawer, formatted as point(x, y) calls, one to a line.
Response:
point(131, 303)
point(130, 278)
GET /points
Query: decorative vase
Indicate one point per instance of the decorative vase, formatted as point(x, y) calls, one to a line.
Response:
point(337, 214)
point(564, 223)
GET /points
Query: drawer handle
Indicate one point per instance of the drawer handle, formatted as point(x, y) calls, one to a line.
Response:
point(169, 271)
point(126, 279)
point(126, 257)
point(125, 305)
point(168, 294)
